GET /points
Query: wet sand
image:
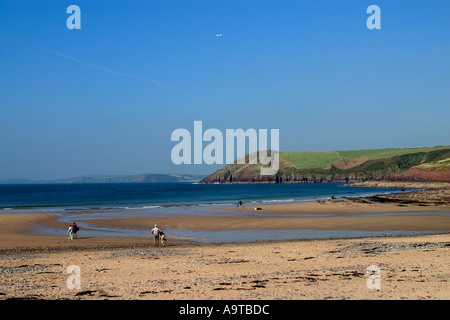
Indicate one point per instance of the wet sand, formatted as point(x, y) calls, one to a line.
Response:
point(409, 268)
point(345, 214)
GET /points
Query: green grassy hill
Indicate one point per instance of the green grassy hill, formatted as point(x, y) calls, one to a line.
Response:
point(311, 159)
point(336, 166)
point(443, 164)
point(323, 159)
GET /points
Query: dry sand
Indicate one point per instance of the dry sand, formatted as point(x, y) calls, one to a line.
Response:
point(415, 267)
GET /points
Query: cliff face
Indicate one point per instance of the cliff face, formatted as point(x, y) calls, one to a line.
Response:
point(423, 175)
point(302, 176)
point(437, 171)
point(407, 167)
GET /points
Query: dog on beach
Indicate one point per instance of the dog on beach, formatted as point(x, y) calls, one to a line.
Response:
point(163, 238)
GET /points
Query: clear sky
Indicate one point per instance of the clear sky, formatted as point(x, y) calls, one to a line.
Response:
point(105, 99)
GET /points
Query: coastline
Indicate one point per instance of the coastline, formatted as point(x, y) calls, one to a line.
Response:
point(34, 266)
point(424, 210)
point(410, 211)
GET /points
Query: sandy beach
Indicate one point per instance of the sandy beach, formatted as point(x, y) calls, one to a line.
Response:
point(35, 266)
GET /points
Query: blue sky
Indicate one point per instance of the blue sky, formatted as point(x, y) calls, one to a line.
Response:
point(105, 99)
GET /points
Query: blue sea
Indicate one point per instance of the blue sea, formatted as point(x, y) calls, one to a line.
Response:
point(140, 195)
point(83, 202)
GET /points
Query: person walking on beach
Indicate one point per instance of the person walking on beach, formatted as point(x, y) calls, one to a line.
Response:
point(156, 232)
point(70, 232)
point(75, 230)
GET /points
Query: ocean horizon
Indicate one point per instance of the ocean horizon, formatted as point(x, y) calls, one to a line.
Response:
point(100, 196)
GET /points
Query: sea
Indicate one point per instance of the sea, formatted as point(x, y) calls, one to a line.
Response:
point(84, 202)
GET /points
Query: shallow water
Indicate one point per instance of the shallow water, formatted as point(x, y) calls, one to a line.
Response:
point(85, 202)
point(208, 236)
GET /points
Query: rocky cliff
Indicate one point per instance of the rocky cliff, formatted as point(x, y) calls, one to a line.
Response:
point(404, 167)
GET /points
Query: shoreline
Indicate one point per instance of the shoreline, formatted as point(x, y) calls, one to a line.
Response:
point(405, 211)
point(34, 266)
point(408, 211)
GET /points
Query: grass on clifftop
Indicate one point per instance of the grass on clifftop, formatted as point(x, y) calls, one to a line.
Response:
point(311, 159)
point(323, 159)
point(443, 164)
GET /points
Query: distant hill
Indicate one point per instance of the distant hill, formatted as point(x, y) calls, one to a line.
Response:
point(139, 178)
point(345, 166)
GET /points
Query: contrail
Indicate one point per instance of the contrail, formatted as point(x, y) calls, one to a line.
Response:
point(104, 69)
point(87, 63)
